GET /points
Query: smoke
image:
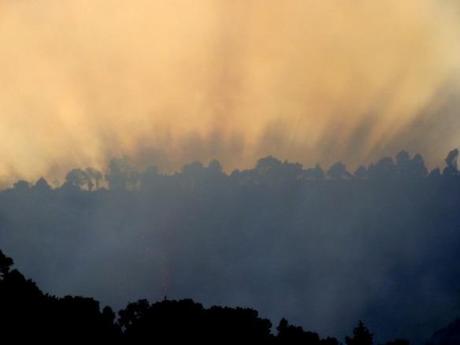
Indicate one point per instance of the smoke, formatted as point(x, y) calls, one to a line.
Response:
point(178, 80)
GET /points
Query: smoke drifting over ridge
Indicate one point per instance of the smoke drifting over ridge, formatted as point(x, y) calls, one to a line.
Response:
point(175, 81)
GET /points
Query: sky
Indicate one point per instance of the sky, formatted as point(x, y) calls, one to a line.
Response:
point(169, 82)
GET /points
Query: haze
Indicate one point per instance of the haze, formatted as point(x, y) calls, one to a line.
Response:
point(174, 81)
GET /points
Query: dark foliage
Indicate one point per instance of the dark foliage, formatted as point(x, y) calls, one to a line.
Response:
point(361, 336)
point(449, 335)
point(26, 314)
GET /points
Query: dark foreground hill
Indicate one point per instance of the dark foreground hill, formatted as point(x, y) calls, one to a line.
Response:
point(27, 314)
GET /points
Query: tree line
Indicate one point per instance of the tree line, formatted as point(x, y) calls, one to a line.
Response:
point(27, 313)
point(122, 175)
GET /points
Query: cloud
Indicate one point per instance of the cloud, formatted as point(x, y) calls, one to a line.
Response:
point(175, 81)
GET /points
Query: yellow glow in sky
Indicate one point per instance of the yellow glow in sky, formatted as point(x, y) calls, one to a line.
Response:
point(172, 81)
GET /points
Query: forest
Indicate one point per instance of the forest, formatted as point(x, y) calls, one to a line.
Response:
point(322, 248)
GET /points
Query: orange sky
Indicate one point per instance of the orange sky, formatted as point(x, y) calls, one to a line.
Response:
point(171, 81)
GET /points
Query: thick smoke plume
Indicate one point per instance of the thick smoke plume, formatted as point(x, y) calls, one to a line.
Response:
point(177, 80)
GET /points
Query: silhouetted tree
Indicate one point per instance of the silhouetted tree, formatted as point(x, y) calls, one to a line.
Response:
point(267, 165)
point(5, 264)
point(315, 173)
point(383, 169)
point(41, 186)
point(451, 162)
point(94, 178)
point(77, 178)
point(338, 171)
point(288, 334)
point(122, 175)
point(418, 168)
point(215, 167)
point(21, 186)
point(28, 314)
point(408, 167)
point(361, 336)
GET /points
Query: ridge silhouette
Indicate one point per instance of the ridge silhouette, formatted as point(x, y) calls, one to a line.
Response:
point(27, 314)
